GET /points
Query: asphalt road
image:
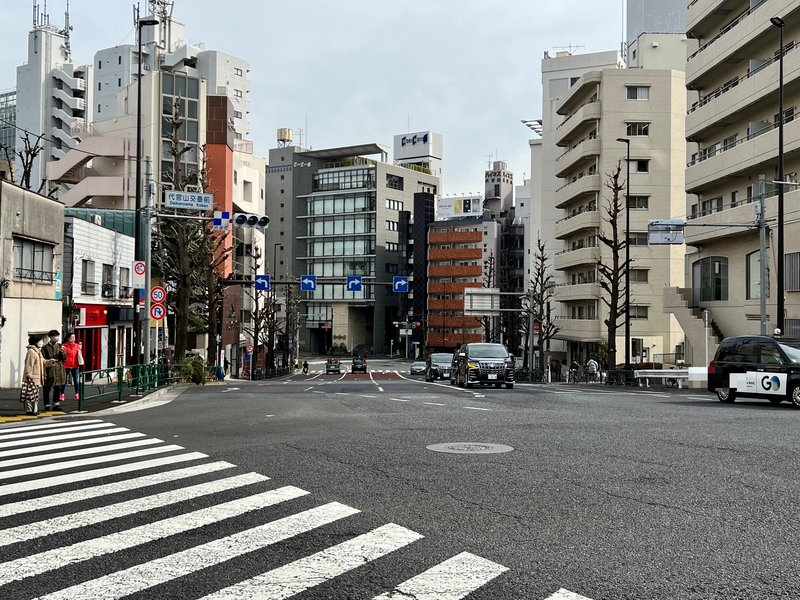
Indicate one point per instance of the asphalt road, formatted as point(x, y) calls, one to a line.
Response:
point(608, 494)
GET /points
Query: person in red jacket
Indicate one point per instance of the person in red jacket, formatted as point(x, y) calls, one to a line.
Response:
point(73, 363)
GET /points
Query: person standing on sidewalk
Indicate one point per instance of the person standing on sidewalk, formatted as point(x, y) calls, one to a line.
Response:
point(592, 368)
point(56, 375)
point(72, 364)
point(32, 375)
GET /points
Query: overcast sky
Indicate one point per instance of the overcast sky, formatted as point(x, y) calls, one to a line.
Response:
point(467, 69)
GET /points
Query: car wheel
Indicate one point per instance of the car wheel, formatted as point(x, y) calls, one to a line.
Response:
point(795, 396)
point(509, 386)
point(727, 396)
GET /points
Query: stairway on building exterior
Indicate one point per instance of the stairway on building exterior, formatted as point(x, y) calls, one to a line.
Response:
point(676, 302)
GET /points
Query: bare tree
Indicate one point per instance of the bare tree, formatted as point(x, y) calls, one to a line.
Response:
point(489, 281)
point(264, 320)
point(292, 320)
point(540, 296)
point(31, 148)
point(611, 271)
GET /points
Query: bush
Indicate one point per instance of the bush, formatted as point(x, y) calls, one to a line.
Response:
point(196, 372)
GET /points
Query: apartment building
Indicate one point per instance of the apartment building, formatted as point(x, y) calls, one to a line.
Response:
point(644, 106)
point(337, 212)
point(731, 121)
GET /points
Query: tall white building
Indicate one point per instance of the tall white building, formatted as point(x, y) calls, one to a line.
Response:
point(654, 16)
point(53, 91)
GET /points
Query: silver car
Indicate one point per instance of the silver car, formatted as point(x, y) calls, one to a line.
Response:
point(418, 368)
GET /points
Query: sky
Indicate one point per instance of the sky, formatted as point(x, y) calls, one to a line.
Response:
point(360, 72)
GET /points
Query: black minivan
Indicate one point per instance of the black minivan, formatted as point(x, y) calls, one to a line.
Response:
point(752, 366)
point(482, 364)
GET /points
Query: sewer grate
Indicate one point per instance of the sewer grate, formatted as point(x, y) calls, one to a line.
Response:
point(470, 448)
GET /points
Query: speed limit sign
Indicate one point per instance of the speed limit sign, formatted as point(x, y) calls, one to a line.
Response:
point(158, 294)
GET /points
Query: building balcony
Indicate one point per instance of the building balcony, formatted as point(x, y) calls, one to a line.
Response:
point(456, 271)
point(745, 154)
point(716, 109)
point(589, 111)
point(579, 330)
point(588, 147)
point(585, 84)
point(458, 237)
point(575, 258)
point(453, 305)
point(453, 339)
point(588, 219)
point(730, 43)
point(703, 16)
point(455, 254)
point(450, 288)
point(459, 322)
point(567, 292)
point(582, 185)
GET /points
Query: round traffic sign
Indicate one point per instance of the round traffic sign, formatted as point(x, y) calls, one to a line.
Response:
point(158, 294)
point(157, 311)
point(139, 267)
point(249, 348)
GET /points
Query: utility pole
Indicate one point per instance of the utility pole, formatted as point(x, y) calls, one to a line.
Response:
point(147, 255)
point(762, 258)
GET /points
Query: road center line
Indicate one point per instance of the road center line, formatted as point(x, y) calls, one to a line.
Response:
point(435, 403)
point(476, 408)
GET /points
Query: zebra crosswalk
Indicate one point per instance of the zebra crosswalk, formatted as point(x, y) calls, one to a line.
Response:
point(92, 510)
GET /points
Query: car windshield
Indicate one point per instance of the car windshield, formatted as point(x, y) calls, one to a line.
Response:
point(441, 358)
point(791, 352)
point(418, 364)
point(488, 351)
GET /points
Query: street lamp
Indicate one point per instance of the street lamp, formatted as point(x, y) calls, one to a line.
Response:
point(778, 22)
point(627, 142)
point(137, 252)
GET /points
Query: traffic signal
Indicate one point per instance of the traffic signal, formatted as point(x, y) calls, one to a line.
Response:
point(416, 324)
point(250, 220)
point(326, 325)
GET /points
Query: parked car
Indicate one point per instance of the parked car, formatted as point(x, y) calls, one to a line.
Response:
point(333, 366)
point(482, 364)
point(418, 368)
point(359, 365)
point(751, 366)
point(438, 366)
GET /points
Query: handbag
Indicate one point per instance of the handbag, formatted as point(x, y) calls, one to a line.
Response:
point(80, 358)
point(29, 391)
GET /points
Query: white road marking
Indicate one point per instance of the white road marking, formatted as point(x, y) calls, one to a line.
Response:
point(476, 408)
point(435, 403)
point(451, 580)
point(49, 447)
point(38, 484)
point(29, 566)
point(398, 399)
point(380, 389)
point(65, 436)
point(341, 394)
point(81, 451)
point(36, 430)
point(365, 396)
point(308, 388)
point(230, 389)
point(305, 573)
point(563, 594)
point(173, 566)
point(318, 392)
point(449, 387)
point(70, 464)
point(93, 516)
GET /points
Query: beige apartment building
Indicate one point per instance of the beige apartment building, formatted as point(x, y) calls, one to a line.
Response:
point(647, 107)
point(732, 127)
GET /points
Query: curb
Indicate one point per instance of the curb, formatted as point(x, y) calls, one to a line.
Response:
point(148, 399)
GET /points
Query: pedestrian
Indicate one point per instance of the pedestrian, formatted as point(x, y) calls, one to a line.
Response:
point(575, 368)
point(72, 364)
point(55, 374)
point(564, 371)
point(227, 366)
point(32, 375)
point(592, 368)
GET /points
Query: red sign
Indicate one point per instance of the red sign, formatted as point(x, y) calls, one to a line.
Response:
point(92, 315)
point(536, 326)
point(249, 348)
point(158, 294)
point(157, 311)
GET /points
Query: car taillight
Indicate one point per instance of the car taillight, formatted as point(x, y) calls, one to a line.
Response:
point(711, 367)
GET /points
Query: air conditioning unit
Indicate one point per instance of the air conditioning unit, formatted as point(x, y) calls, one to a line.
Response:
point(145, 67)
point(96, 219)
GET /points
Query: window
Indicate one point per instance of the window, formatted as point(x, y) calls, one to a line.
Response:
point(709, 207)
point(729, 142)
point(282, 191)
point(788, 116)
point(33, 261)
point(119, 81)
point(98, 108)
point(281, 219)
point(638, 92)
point(638, 239)
point(638, 129)
point(108, 281)
point(124, 282)
point(734, 199)
point(713, 278)
point(281, 233)
point(392, 268)
point(637, 203)
point(394, 204)
point(638, 275)
point(753, 281)
point(282, 177)
point(237, 93)
point(99, 64)
point(87, 278)
point(237, 114)
point(791, 271)
point(394, 182)
point(392, 247)
point(237, 71)
point(639, 312)
point(391, 225)
point(236, 177)
point(99, 86)
point(641, 166)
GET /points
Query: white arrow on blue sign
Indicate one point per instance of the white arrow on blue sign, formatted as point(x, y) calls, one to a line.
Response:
point(400, 284)
point(262, 283)
point(308, 283)
point(353, 283)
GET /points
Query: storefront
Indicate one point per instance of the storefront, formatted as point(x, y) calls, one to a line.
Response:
point(91, 332)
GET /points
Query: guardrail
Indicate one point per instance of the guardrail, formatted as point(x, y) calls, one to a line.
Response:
point(670, 377)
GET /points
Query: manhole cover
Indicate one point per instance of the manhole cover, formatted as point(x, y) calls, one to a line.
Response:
point(470, 448)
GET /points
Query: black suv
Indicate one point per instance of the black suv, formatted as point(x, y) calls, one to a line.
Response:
point(756, 367)
point(359, 365)
point(482, 364)
point(438, 366)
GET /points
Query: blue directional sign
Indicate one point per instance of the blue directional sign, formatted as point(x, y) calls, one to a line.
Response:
point(262, 283)
point(353, 283)
point(400, 284)
point(308, 283)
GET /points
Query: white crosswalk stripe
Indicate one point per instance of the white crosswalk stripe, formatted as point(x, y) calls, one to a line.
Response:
point(31, 430)
point(35, 549)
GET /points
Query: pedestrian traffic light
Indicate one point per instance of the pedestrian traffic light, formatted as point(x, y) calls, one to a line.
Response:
point(415, 324)
point(326, 325)
point(250, 220)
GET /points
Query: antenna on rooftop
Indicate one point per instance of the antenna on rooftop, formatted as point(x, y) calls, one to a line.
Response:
point(65, 32)
point(489, 161)
point(300, 133)
point(569, 48)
